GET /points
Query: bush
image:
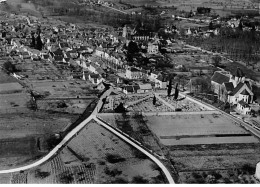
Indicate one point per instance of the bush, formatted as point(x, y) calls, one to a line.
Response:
point(66, 179)
point(120, 181)
point(139, 154)
point(247, 168)
point(139, 180)
point(114, 158)
point(112, 173)
point(41, 174)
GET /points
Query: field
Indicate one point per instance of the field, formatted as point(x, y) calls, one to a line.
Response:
point(72, 106)
point(224, 161)
point(198, 129)
point(135, 126)
point(18, 152)
point(18, 125)
point(147, 106)
point(94, 156)
point(14, 103)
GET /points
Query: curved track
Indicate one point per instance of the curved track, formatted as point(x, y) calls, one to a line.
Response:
point(77, 129)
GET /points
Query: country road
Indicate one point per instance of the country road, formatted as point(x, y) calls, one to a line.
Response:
point(78, 128)
point(115, 9)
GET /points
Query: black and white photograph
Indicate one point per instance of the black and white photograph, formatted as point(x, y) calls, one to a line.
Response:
point(130, 92)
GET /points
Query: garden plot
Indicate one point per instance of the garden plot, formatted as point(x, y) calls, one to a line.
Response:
point(72, 106)
point(128, 100)
point(18, 152)
point(135, 126)
point(18, 125)
point(227, 159)
point(147, 106)
point(16, 102)
point(198, 129)
point(186, 105)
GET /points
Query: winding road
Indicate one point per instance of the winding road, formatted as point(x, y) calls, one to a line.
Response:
point(77, 129)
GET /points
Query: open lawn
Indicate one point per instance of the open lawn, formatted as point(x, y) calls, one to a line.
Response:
point(17, 102)
point(17, 125)
point(197, 129)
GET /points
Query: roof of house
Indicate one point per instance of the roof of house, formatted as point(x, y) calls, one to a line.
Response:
point(237, 88)
point(58, 58)
point(244, 104)
point(145, 86)
point(229, 86)
point(244, 92)
point(93, 76)
point(219, 78)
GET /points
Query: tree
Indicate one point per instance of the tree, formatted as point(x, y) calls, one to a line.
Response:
point(169, 88)
point(154, 100)
point(39, 44)
point(216, 60)
point(176, 92)
point(132, 48)
point(33, 41)
point(9, 67)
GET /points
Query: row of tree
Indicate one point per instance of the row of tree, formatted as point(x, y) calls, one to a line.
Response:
point(238, 44)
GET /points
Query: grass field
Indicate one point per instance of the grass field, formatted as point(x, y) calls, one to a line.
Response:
point(197, 129)
point(18, 152)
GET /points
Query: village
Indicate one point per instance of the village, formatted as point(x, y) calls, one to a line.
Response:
point(181, 102)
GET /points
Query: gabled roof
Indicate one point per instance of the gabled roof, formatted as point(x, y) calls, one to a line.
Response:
point(229, 86)
point(219, 78)
point(244, 104)
point(239, 86)
point(244, 92)
point(145, 86)
point(94, 76)
point(58, 58)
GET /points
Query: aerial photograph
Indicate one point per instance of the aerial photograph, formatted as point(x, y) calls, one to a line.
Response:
point(129, 91)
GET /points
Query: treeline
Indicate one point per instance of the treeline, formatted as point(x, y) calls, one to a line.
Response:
point(96, 14)
point(238, 44)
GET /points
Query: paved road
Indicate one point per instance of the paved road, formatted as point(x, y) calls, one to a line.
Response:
point(77, 129)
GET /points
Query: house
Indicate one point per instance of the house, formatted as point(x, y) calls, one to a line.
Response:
point(145, 88)
point(59, 59)
point(102, 85)
point(217, 81)
point(24, 55)
point(243, 107)
point(95, 78)
point(153, 48)
point(242, 92)
point(133, 73)
point(131, 89)
point(161, 82)
point(232, 88)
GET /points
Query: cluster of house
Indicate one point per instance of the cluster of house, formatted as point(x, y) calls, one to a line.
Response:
point(233, 88)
